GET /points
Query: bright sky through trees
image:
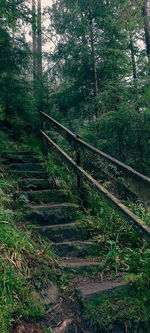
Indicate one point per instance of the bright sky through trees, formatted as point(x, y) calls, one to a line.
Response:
point(46, 3)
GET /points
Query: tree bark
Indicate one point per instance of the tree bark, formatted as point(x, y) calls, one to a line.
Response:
point(94, 71)
point(34, 43)
point(131, 45)
point(93, 56)
point(133, 58)
point(146, 14)
point(39, 42)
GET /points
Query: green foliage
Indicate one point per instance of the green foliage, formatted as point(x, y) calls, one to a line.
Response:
point(24, 262)
point(123, 134)
point(131, 313)
point(17, 103)
point(140, 210)
point(63, 176)
point(124, 253)
point(116, 120)
point(73, 55)
point(5, 143)
point(120, 245)
point(96, 40)
point(15, 297)
point(30, 142)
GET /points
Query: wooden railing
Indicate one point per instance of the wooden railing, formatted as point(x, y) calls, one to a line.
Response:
point(123, 174)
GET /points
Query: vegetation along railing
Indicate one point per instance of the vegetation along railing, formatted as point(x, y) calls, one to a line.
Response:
point(123, 174)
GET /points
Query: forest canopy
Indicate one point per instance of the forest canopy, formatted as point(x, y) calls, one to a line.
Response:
point(95, 79)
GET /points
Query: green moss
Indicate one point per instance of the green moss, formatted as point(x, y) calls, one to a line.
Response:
point(130, 312)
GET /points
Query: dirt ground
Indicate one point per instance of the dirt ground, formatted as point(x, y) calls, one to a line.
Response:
point(24, 327)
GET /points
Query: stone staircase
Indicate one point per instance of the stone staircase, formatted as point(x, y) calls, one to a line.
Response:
point(55, 219)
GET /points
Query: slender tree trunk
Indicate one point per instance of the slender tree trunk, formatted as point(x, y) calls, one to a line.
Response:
point(146, 14)
point(93, 56)
point(39, 42)
point(131, 45)
point(95, 73)
point(133, 59)
point(34, 41)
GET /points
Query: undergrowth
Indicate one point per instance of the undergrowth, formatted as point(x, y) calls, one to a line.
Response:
point(15, 245)
point(125, 254)
point(64, 178)
point(5, 143)
point(130, 313)
point(25, 263)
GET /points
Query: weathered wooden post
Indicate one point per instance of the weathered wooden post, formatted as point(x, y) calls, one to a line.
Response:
point(79, 178)
point(44, 144)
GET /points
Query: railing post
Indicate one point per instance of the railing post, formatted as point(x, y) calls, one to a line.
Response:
point(44, 149)
point(79, 181)
point(79, 178)
point(81, 189)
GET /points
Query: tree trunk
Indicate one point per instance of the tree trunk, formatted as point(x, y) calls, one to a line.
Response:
point(39, 42)
point(95, 73)
point(131, 45)
point(146, 14)
point(34, 43)
point(133, 59)
point(93, 56)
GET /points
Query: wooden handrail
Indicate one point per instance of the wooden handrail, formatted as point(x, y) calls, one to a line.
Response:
point(122, 209)
point(134, 181)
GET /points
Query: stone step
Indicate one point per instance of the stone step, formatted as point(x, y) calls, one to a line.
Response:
point(52, 214)
point(5, 154)
point(79, 249)
point(26, 167)
point(47, 196)
point(112, 289)
point(19, 159)
point(37, 184)
point(69, 262)
point(31, 174)
point(63, 232)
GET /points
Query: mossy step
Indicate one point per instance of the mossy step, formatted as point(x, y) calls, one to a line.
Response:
point(26, 167)
point(78, 262)
point(63, 232)
point(31, 174)
point(47, 196)
point(78, 249)
point(19, 159)
point(3, 154)
point(37, 184)
point(52, 214)
point(47, 297)
point(81, 263)
point(91, 290)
